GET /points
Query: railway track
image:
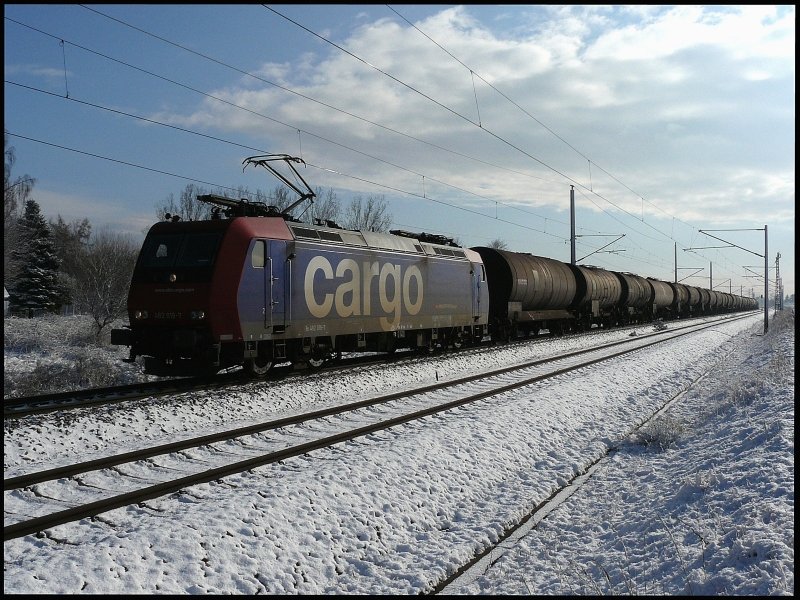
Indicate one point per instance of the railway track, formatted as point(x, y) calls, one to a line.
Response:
point(16, 408)
point(136, 477)
point(482, 561)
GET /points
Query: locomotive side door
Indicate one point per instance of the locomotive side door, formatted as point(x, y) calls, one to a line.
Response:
point(478, 280)
point(275, 287)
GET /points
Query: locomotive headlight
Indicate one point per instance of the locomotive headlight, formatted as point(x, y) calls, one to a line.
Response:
point(197, 315)
point(172, 277)
point(140, 314)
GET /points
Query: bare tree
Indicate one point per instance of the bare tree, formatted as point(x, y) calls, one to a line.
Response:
point(69, 244)
point(498, 244)
point(16, 192)
point(103, 279)
point(369, 215)
point(188, 207)
point(325, 207)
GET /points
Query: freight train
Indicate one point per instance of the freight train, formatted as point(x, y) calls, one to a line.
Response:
point(252, 286)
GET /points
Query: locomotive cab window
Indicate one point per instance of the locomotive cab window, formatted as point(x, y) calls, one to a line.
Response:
point(257, 257)
point(198, 250)
point(160, 250)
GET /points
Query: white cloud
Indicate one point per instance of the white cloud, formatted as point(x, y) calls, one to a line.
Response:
point(673, 102)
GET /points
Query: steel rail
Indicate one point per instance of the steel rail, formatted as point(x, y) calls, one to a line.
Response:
point(92, 509)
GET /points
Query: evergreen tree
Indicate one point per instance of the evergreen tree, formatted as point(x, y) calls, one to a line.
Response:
point(36, 287)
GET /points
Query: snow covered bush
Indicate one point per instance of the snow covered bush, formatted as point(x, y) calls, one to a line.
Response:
point(662, 433)
point(53, 353)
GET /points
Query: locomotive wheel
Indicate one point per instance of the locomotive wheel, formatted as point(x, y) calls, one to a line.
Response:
point(317, 357)
point(257, 367)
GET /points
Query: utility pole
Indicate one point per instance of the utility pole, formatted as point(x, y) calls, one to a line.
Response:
point(676, 262)
point(778, 284)
point(573, 237)
point(572, 224)
point(766, 283)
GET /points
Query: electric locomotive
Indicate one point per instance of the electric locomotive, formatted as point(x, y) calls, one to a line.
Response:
point(253, 286)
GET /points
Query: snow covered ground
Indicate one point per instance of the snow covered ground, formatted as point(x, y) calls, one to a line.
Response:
point(700, 502)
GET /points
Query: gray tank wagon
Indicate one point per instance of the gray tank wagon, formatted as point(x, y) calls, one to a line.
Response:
point(681, 299)
point(598, 295)
point(527, 292)
point(705, 300)
point(663, 297)
point(694, 299)
point(636, 299)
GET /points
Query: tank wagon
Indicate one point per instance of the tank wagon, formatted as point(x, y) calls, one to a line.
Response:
point(527, 293)
point(636, 299)
point(704, 305)
point(663, 298)
point(680, 298)
point(598, 297)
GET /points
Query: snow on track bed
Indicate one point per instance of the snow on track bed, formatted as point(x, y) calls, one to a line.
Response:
point(393, 514)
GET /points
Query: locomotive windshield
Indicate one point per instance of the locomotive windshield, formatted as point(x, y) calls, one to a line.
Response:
point(180, 250)
point(189, 255)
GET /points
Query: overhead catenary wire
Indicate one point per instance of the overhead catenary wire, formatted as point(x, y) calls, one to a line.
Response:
point(517, 105)
point(350, 114)
point(255, 113)
point(152, 121)
point(488, 131)
point(301, 95)
point(189, 178)
point(412, 88)
point(306, 97)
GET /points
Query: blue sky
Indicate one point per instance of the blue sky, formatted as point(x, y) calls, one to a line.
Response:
point(473, 122)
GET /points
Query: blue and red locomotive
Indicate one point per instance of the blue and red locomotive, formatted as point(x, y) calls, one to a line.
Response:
point(253, 286)
point(258, 287)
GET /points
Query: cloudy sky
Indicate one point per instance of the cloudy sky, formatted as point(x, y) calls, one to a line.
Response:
point(471, 121)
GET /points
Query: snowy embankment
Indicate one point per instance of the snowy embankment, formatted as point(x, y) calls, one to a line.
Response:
point(702, 505)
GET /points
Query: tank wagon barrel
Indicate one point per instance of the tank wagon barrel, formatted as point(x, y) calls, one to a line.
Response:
point(526, 291)
point(598, 294)
point(637, 297)
point(705, 299)
point(636, 292)
point(663, 297)
point(680, 298)
point(693, 304)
